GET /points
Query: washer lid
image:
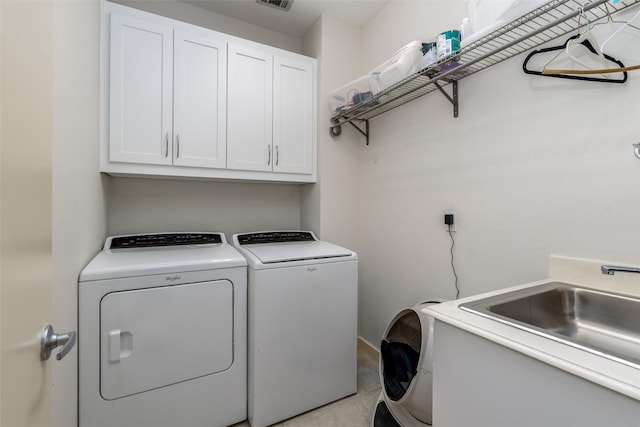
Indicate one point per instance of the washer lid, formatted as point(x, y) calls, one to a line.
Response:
point(272, 247)
point(117, 261)
point(270, 253)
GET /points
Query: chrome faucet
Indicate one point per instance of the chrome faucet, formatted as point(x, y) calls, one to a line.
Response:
point(610, 269)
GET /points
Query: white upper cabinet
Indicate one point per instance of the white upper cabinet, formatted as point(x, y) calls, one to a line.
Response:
point(270, 111)
point(200, 67)
point(293, 115)
point(167, 95)
point(140, 110)
point(179, 100)
point(249, 109)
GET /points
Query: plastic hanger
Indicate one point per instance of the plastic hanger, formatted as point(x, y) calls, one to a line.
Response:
point(583, 38)
point(610, 20)
point(586, 39)
point(551, 72)
point(576, 74)
point(603, 70)
point(626, 24)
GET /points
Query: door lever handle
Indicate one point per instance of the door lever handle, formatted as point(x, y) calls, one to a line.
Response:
point(50, 340)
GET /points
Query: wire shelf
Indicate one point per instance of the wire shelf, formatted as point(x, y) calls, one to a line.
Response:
point(552, 20)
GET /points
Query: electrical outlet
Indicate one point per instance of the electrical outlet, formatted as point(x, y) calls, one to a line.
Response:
point(450, 221)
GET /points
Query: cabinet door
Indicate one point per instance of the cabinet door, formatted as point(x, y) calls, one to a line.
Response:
point(140, 91)
point(293, 115)
point(200, 67)
point(249, 110)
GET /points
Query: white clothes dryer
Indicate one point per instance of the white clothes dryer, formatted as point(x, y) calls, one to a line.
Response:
point(406, 369)
point(302, 323)
point(162, 332)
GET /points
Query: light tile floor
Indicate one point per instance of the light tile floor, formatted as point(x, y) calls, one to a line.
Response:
point(352, 411)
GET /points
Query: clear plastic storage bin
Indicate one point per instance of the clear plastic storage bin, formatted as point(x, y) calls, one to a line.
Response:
point(402, 64)
point(486, 16)
point(350, 94)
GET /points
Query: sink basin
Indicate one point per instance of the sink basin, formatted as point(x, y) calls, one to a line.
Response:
point(603, 323)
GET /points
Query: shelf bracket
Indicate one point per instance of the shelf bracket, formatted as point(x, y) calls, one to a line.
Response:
point(364, 132)
point(336, 128)
point(453, 99)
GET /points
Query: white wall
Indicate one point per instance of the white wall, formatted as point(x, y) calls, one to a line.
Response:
point(310, 194)
point(331, 206)
point(532, 167)
point(138, 205)
point(79, 194)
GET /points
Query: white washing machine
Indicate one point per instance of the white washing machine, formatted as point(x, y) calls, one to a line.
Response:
point(406, 367)
point(302, 323)
point(162, 332)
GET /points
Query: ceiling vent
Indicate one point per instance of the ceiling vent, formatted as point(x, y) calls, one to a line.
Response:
point(279, 4)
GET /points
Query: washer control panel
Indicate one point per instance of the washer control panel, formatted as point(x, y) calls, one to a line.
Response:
point(276, 237)
point(164, 239)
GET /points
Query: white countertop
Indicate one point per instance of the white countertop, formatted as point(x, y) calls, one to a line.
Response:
point(608, 373)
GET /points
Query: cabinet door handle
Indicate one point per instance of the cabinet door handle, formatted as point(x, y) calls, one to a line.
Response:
point(166, 145)
point(277, 155)
point(177, 145)
point(269, 159)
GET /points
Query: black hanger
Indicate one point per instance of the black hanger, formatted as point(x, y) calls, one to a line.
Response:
point(588, 45)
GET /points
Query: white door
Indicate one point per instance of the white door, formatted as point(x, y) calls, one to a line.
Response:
point(25, 210)
point(200, 98)
point(249, 110)
point(140, 91)
point(293, 115)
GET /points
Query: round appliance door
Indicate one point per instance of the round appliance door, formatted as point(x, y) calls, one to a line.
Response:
point(406, 362)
